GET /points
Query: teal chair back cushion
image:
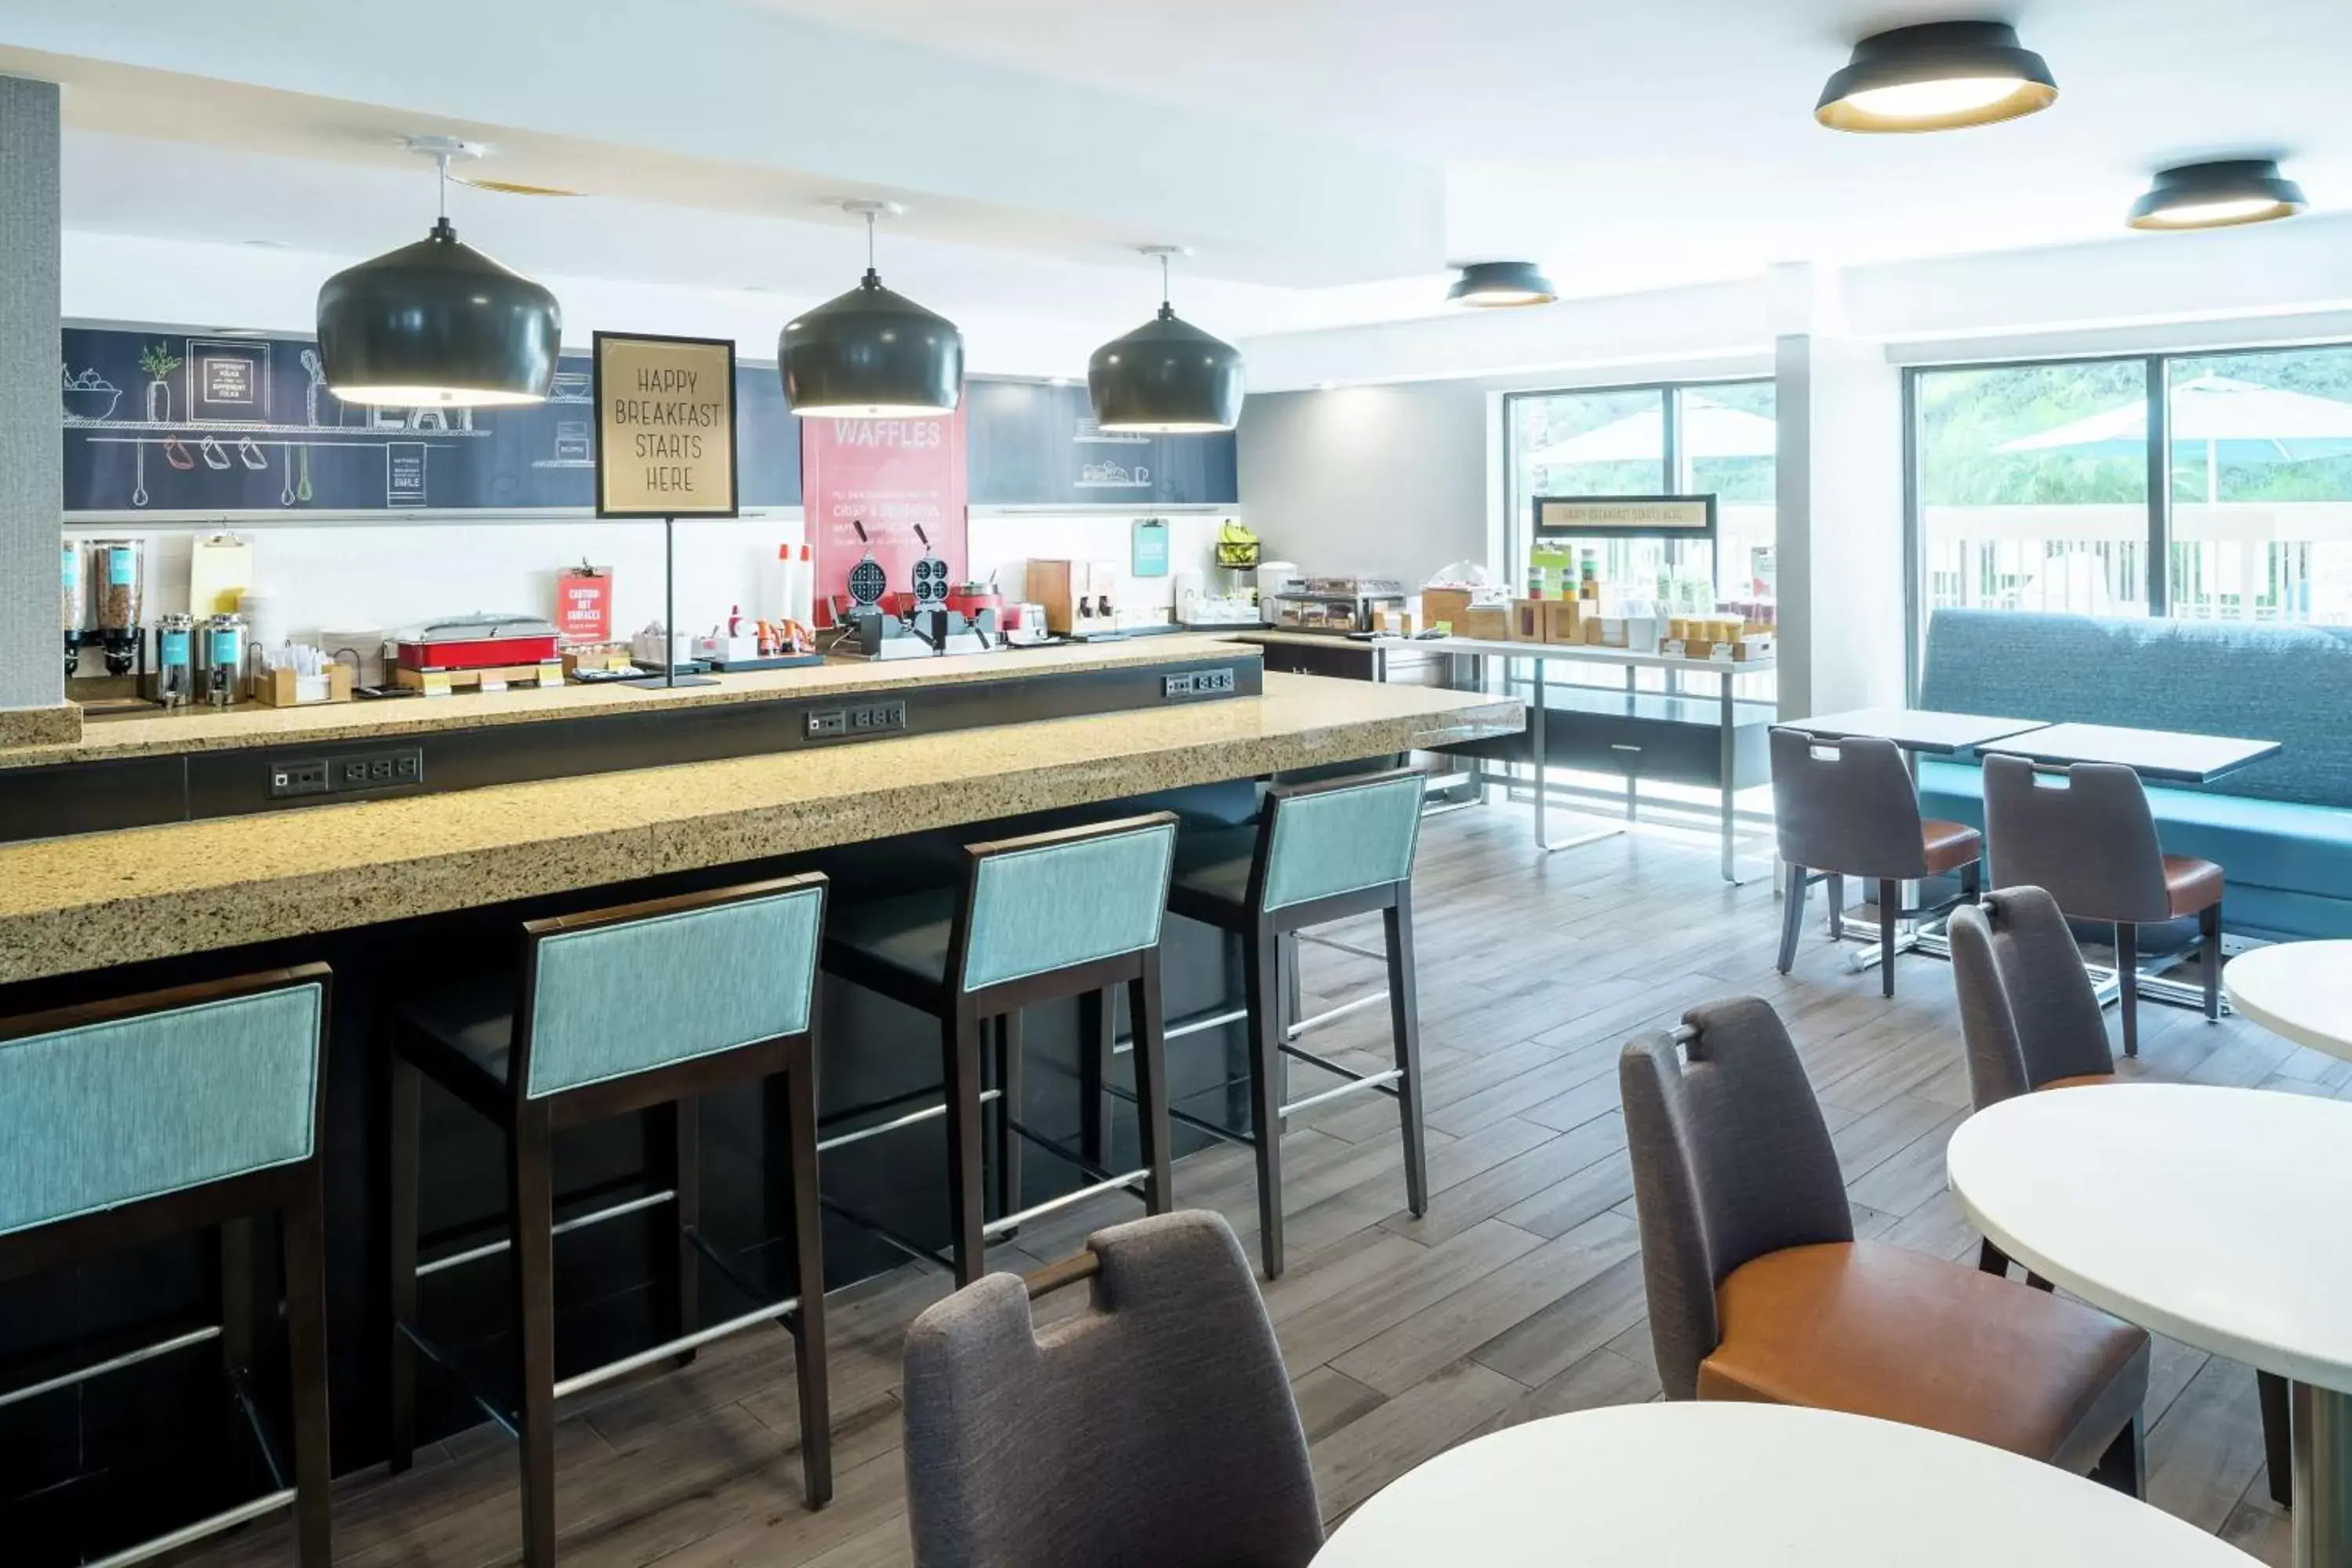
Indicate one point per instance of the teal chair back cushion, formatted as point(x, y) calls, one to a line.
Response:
point(1342, 840)
point(1036, 910)
point(619, 999)
point(107, 1114)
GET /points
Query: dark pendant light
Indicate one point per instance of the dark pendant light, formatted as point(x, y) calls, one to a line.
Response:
point(1167, 377)
point(438, 323)
point(2218, 196)
point(870, 353)
point(1501, 285)
point(1938, 76)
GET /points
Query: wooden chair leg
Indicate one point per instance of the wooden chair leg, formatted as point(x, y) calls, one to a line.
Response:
point(305, 1245)
point(1096, 1015)
point(1008, 1111)
point(967, 1189)
point(674, 1148)
point(2128, 982)
point(1404, 1029)
point(799, 1170)
point(530, 1202)
point(1150, 1057)
point(1792, 917)
point(407, 1086)
point(2209, 958)
point(2278, 1435)
point(1261, 982)
point(2125, 1464)
point(1890, 906)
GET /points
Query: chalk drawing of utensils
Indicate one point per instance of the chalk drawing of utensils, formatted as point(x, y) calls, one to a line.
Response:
point(138, 472)
point(177, 455)
point(303, 489)
point(286, 490)
point(318, 379)
point(251, 456)
point(211, 451)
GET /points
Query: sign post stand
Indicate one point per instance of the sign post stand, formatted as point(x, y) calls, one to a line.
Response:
point(666, 445)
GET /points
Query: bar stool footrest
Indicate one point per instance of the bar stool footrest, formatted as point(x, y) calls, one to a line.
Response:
point(1127, 1183)
point(201, 1529)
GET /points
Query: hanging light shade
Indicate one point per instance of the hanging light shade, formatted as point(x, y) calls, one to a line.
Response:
point(1938, 76)
point(1501, 285)
point(438, 323)
point(1168, 377)
point(870, 353)
point(2218, 196)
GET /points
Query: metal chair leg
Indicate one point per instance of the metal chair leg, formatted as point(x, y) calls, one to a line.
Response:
point(2128, 982)
point(2278, 1435)
point(1890, 906)
point(1837, 906)
point(1792, 916)
point(1991, 1259)
point(2208, 931)
point(2125, 1464)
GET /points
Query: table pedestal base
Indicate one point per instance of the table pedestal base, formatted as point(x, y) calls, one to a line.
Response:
point(2323, 1477)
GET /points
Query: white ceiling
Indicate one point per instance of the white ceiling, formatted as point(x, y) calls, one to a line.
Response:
point(1301, 144)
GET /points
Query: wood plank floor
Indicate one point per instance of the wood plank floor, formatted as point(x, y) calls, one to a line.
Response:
point(1518, 1295)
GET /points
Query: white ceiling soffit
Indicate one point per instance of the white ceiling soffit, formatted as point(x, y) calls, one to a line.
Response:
point(704, 104)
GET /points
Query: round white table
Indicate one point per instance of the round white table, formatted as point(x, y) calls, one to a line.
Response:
point(2215, 1216)
point(2299, 991)
point(1757, 1486)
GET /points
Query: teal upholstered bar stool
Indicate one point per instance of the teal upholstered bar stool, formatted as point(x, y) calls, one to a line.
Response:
point(1051, 915)
point(619, 1012)
point(122, 1122)
point(1320, 852)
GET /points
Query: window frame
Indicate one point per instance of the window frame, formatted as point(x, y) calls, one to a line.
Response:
point(2158, 378)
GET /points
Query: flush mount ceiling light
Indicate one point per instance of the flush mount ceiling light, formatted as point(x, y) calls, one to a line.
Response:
point(438, 323)
point(1167, 377)
point(1501, 285)
point(870, 353)
point(2218, 194)
point(1938, 76)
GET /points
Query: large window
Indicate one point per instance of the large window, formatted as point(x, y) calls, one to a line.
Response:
point(2036, 486)
point(1713, 437)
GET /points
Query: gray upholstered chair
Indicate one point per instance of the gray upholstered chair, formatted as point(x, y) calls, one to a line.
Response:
point(127, 1121)
point(1848, 808)
point(1758, 1290)
point(630, 1011)
point(1329, 850)
point(1155, 1429)
point(2031, 1021)
point(2087, 837)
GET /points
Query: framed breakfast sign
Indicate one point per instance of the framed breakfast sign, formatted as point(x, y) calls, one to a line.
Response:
point(1625, 516)
point(665, 426)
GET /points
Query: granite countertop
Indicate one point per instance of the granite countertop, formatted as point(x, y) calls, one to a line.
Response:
point(252, 724)
point(78, 903)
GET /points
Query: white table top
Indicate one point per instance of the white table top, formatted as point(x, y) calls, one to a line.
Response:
point(1914, 729)
point(2299, 991)
point(2166, 755)
point(1592, 653)
point(1755, 1486)
point(2215, 1216)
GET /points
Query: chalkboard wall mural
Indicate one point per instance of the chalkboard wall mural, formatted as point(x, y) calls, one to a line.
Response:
point(224, 424)
point(1033, 444)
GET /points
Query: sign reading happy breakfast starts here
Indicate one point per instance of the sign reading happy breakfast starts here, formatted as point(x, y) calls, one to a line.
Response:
point(665, 426)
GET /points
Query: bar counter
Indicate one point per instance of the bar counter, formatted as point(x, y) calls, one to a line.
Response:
point(431, 882)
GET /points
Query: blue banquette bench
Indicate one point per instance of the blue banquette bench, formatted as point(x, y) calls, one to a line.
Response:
point(2281, 830)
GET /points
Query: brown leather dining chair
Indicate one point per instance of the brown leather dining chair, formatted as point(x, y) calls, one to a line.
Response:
point(1758, 1290)
point(2031, 1020)
point(1848, 808)
point(2086, 835)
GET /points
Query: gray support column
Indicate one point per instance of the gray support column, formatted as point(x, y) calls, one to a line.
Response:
point(32, 456)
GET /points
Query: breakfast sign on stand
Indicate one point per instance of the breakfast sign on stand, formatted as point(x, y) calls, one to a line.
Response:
point(666, 443)
point(890, 477)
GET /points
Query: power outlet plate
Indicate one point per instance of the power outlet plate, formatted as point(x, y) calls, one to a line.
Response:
point(1198, 683)
point(345, 775)
point(858, 723)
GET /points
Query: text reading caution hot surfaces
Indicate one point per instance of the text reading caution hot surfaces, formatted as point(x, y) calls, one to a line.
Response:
point(665, 426)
